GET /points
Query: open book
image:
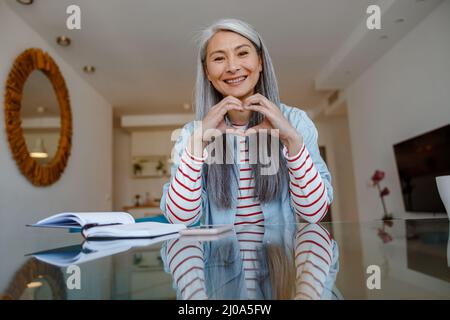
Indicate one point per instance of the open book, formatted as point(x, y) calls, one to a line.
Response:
point(93, 250)
point(108, 225)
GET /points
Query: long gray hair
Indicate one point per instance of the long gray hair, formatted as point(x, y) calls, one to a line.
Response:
point(267, 187)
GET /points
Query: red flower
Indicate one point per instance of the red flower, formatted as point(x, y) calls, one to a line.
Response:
point(384, 192)
point(377, 176)
point(388, 223)
point(386, 237)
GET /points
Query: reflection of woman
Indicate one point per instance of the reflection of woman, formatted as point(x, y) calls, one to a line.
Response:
point(315, 254)
point(237, 96)
point(300, 264)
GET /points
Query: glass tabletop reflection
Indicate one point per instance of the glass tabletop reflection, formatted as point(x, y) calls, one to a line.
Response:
point(394, 259)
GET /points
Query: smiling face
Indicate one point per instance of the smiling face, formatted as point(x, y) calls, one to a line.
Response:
point(232, 64)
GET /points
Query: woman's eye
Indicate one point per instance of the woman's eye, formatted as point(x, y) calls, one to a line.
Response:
point(243, 53)
point(218, 59)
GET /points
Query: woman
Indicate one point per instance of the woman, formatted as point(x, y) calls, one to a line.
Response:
point(236, 97)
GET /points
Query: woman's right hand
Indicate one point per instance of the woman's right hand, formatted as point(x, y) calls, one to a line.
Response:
point(214, 124)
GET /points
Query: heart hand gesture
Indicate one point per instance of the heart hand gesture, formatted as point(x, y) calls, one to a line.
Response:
point(273, 119)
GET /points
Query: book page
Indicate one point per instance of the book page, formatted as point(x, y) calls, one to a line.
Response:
point(79, 219)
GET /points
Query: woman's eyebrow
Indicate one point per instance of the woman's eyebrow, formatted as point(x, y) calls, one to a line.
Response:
point(235, 49)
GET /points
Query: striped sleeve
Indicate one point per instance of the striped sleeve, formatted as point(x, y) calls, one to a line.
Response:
point(183, 203)
point(308, 192)
point(250, 238)
point(186, 265)
point(313, 258)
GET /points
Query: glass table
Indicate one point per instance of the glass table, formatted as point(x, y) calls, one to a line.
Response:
point(396, 259)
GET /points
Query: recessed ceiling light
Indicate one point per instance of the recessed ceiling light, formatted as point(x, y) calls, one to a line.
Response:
point(25, 2)
point(63, 41)
point(186, 106)
point(89, 69)
point(399, 20)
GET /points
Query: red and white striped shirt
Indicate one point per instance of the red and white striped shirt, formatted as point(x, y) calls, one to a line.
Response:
point(313, 256)
point(308, 197)
point(187, 266)
point(249, 220)
point(248, 210)
point(308, 192)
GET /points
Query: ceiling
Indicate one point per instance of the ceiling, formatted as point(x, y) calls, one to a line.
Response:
point(144, 51)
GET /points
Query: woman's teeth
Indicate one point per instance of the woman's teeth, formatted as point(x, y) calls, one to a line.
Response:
point(235, 81)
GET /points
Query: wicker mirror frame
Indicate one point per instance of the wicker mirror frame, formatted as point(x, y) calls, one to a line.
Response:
point(31, 270)
point(27, 62)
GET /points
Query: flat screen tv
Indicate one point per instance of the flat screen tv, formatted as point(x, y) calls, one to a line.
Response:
point(419, 161)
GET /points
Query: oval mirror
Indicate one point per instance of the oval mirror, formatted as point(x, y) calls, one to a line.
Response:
point(40, 114)
point(38, 117)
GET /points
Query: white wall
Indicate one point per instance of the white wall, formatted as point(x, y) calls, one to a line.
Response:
point(404, 94)
point(87, 181)
point(335, 137)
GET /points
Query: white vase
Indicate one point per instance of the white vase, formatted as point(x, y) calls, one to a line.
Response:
point(443, 185)
point(448, 250)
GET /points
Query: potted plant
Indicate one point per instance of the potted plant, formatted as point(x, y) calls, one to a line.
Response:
point(161, 168)
point(137, 168)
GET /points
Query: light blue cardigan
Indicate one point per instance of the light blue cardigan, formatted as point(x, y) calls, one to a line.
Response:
point(275, 212)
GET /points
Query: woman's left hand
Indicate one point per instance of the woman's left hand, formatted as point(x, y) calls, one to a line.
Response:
point(273, 119)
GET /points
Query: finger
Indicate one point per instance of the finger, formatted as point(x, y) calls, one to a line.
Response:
point(261, 100)
point(229, 100)
point(229, 107)
point(233, 107)
point(257, 107)
point(222, 111)
point(224, 104)
point(233, 99)
point(275, 118)
point(256, 99)
point(226, 101)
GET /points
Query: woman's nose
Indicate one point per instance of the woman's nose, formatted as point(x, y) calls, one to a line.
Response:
point(233, 65)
